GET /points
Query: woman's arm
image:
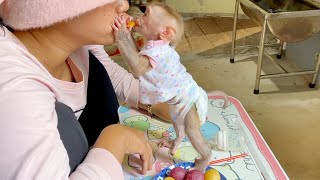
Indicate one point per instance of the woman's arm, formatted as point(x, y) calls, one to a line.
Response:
point(160, 110)
point(125, 85)
point(31, 147)
point(120, 140)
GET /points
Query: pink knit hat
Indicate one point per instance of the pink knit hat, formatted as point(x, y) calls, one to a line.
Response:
point(30, 14)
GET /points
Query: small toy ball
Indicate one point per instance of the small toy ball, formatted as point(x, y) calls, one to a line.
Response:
point(168, 178)
point(178, 173)
point(131, 24)
point(212, 174)
point(194, 175)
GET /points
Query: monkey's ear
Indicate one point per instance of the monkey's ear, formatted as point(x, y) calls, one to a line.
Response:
point(167, 33)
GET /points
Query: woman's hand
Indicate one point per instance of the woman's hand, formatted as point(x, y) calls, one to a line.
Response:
point(120, 140)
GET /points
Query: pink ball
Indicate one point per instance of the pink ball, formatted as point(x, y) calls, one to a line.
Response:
point(178, 173)
point(194, 175)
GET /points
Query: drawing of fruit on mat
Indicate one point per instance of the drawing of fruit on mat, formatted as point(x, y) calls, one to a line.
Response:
point(185, 153)
point(139, 122)
point(218, 103)
point(142, 123)
point(157, 133)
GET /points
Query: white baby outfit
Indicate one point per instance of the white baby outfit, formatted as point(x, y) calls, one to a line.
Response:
point(168, 81)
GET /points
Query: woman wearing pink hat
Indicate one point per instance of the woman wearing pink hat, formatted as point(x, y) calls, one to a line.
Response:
point(59, 95)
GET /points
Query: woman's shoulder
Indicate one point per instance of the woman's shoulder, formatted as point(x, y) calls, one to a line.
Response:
point(18, 67)
point(15, 61)
point(12, 51)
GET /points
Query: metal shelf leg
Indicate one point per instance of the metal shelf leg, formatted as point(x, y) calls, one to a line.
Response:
point(260, 57)
point(314, 78)
point(234, 32)
point(279, 55)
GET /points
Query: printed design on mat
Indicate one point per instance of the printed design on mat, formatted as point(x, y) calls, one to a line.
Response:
point(208, 131)
point(142, 123)
point(219, 118)
point(185, 152)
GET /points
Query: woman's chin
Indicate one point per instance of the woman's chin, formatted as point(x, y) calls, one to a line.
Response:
point(107, 40)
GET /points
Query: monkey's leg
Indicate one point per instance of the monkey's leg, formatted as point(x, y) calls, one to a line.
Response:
point(192, 128)
point(180, 136)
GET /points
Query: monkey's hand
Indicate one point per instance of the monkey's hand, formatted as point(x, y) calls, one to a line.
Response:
point(138, 64)
point(121, 31)
point(165, 142)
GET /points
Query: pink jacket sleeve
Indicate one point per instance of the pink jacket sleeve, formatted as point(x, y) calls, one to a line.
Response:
point(125, 85)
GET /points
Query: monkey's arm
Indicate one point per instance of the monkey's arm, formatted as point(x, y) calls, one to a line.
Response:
point(138, 64)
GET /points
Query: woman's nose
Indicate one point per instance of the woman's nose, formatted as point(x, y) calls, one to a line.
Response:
point(126, 16)
point(123, 6)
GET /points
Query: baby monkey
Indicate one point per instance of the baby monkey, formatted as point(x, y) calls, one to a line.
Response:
point(163, 79)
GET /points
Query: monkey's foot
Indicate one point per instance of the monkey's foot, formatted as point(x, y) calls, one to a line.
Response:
point(201, 164)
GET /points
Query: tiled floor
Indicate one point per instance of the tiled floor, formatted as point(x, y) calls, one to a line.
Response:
point(286, 111)
point(202, 34)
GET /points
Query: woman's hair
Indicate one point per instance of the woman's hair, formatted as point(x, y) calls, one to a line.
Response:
point(176, 16)
point(1, 24)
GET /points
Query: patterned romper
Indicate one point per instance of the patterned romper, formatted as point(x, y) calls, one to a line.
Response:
point(168, 81)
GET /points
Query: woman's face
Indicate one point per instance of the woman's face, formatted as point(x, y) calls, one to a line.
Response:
point(94, 27)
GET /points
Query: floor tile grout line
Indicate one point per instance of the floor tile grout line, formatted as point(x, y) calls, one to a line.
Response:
point(184, 33)
point(213, 19)
point(205, 34)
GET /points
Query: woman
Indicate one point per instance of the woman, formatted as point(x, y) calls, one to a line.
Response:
point(50, 81)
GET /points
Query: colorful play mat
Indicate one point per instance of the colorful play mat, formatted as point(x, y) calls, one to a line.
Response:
point(258, 164)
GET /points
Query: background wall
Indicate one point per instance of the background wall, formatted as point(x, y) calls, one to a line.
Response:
point(211, 7)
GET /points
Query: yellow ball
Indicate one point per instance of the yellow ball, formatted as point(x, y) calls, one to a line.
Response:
point(212, 174)
point(168, 178)
point(131, 24)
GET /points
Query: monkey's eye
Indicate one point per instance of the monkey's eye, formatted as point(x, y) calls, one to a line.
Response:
point(142, 8)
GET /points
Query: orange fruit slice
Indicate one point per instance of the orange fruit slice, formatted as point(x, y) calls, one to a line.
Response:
point(131, 24)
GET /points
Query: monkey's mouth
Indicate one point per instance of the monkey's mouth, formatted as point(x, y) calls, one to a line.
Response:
point(138, 23)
